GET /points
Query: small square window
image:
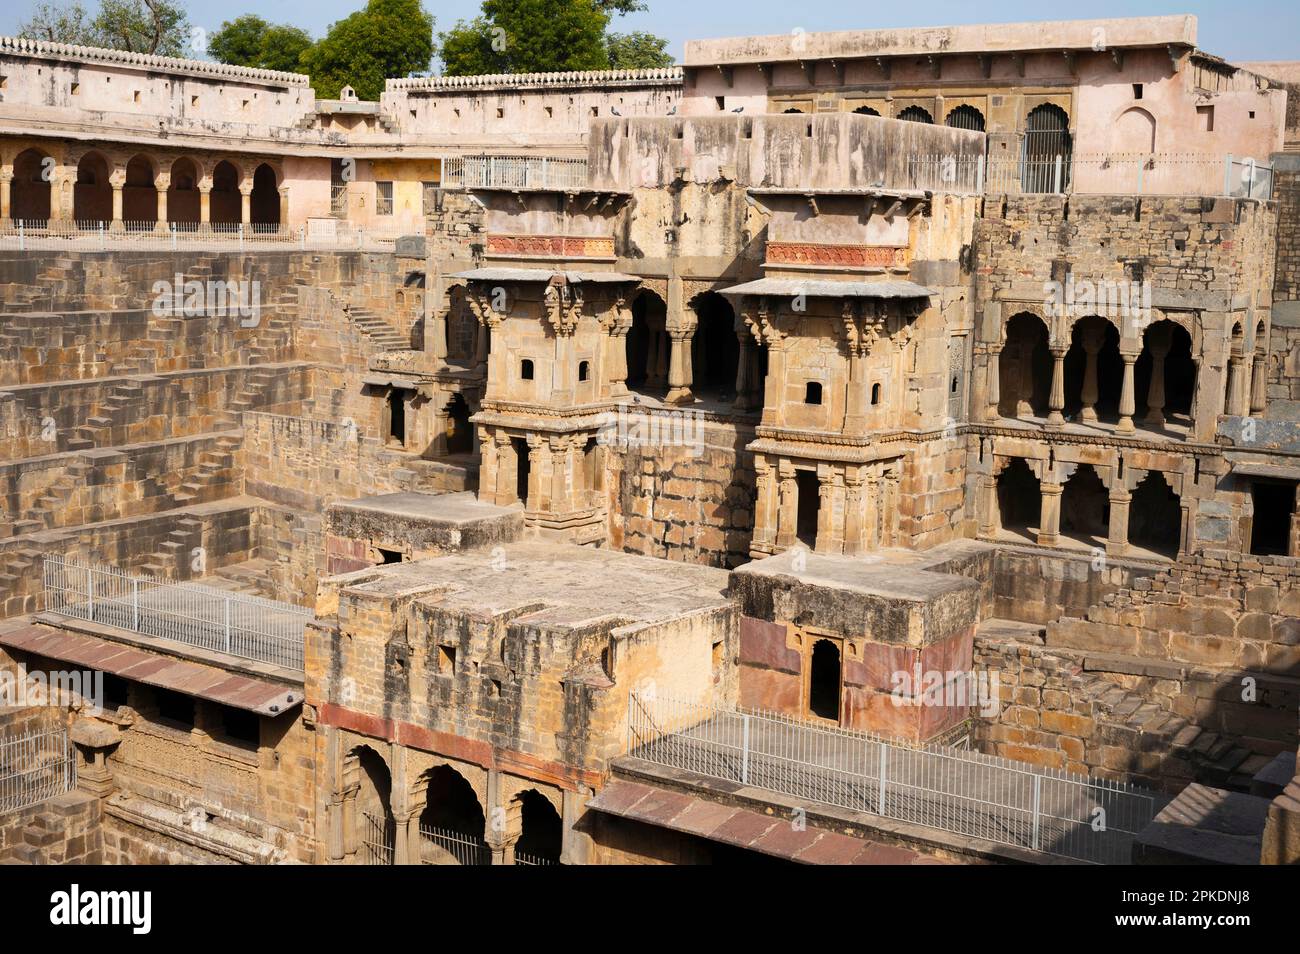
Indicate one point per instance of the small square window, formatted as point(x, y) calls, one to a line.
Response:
point(135, 96)
point(76, 89)
point(1205, 118)
point(1252, 114)
point(501, 113)
point(526, 370)
point(813, 393)
point(721, 102)
point(550, 112)
point(383, 198)
point(1137, 90)
point(194, 101)
point(595, 110)
point(446, 660)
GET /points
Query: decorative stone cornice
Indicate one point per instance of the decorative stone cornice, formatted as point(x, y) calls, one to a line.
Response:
point(43, 49)
point(665, 76)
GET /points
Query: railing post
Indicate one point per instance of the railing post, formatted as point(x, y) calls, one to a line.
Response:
point(22, 241)
point(1038, 794)
point(1227, 175)
point(1250, 178)
point(90, 592)
point(171, 227)
point(227, 602)
point(884, 763)
point(101, 235)
point(1057, 190)
point(744, 750)
point(135, 605)
point(979, 175)
point(302, 236)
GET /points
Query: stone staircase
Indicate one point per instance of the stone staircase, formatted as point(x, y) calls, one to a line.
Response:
point(383, 335)
point(214, 470)
point(97, 431)
point(173, 558)
point(21, 575)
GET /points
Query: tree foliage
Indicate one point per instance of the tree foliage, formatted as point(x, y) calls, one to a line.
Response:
point(543, 36)
point(137, 26)
point(637, 50)
point(251, 41)
point(389, 38)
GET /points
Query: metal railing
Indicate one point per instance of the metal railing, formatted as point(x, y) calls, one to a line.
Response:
point(964, 792)
point(523, 858)
point(378, 839)
point(1092, 174)
point(236, 624)
point(513, 172)
point(437, 845)
point(38, 234)
point(35, 767)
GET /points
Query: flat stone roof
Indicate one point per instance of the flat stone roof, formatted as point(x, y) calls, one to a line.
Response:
point(455, 508)
point(555, 585)
point(895, 576)
point(1115, 33)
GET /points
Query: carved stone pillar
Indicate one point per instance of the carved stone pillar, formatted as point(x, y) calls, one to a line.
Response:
point(6, 184)
point(205, 204)
point(1127, 404)
point(1056, 398)
point(830, 531)
point(853, 512)
point(679, 382)
point(284, 206)
point(1233, 389)
point(1158, 344)
point(117, 180)
point(1117, 536)
point(161, 184)
point(1049, 525)
point(537, 453)
point(1091, 339)
point(507, 469)
point(995, 384)
point(774, 383)
point(987, 502)
point(855, 404)
point(765, 506)
point(787, 517)
point(871, 512)
point(743, 369)
point(1258, 386)
point(616, 349)
point(562, 483)
point(246, 202)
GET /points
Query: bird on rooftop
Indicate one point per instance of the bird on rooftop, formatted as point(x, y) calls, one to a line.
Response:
point(673, 111)
point(739, 109)
point(614, 111)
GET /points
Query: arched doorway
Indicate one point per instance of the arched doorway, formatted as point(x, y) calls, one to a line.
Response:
point(1047, 137)
point(462, 327)
point(867, 111)
point(373, 805)
point(792, 109)
point(29, 193)
point(92, 195)
point(224, 202)
point(1135, 131)
point(1020, 499)
point(1085, 508)
point(451, 825)
point(647, 354)
point(1164, 376)
point(715, 349)
point(543, 830)
point(523, 468)
point(824, 680)
point(965, 116)
point(264, 201)
point(460, 434)
point(1155, 516)
point(1024, 368)
point(915, 114)
point(139, 194)
point(1094, 371)
point(183, 195)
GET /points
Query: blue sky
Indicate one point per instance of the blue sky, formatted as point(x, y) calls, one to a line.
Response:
point(1244, 30)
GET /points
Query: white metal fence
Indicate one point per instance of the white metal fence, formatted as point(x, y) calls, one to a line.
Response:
point(513, 172)
point(35, 767)
point(964, 792)
point(1172, 174)
point(237, 624)
point(443, 845)
point(378, 839)
point(39, 234)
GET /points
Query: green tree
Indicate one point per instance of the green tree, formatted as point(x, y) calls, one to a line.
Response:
point(138, 26)
point(251, 41)
point(143, 26)
point(637, 50)
point(543, 36)
point(389, 38)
